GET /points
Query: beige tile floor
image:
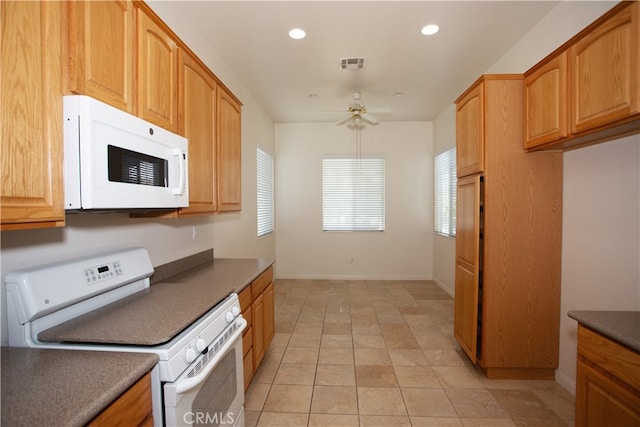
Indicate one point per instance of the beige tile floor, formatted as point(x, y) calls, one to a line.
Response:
point(382, 353)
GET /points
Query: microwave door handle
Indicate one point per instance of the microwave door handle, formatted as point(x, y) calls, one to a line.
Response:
point(184, 385)
point(179, 190)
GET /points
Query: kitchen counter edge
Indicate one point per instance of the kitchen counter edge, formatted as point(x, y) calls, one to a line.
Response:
point(620, 326)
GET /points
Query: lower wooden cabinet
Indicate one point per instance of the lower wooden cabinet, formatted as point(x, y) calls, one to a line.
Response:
point(257, 307)
point(607, 382)
point(133, 408)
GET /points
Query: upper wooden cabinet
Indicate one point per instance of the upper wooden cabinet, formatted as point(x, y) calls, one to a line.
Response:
point(101, 51)
point(157, 73)
point(197, 122)
point(604, 70)
point(470, 131)
point(588, 90)
point(32, 193)
point(229, 152)
point(545, 95)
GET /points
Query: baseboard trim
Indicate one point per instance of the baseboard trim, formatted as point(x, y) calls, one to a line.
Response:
point(444, 287)
point(566, 382)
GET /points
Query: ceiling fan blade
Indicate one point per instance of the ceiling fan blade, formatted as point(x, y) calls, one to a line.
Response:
point(371, 119)
point(344, 120)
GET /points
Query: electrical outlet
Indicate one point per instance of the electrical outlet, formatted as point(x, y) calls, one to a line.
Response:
point(195, 232)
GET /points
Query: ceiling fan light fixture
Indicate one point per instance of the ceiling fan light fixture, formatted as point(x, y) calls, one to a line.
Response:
point(429, 30)
point(297, 34)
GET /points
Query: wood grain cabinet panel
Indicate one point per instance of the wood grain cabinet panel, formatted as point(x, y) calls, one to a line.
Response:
point(470, 131)
point(258, 308)
point(257, 316)
point(604, 71)
point(607, 382)
point(31, 194)
point(467, 280)
point(197, 122)
point(157, 73)
point(133, 408)
point(508, 245)
point(545, 102)
point(588, 90)
point(229, 153)
point(101, 51)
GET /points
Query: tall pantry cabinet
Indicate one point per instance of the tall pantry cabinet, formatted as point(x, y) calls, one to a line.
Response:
point(508, 245)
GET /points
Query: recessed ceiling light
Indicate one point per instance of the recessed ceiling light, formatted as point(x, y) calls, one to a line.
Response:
point(297, 34)
point(429, 30)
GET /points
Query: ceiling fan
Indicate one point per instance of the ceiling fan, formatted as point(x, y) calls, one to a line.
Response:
point(357, 114)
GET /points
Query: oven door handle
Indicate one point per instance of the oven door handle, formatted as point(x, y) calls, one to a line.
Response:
point(187, 384)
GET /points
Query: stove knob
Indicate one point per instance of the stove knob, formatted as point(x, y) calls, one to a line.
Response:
point(190, 355)
point(235, 310)
point(229, 316)
point(200, 344)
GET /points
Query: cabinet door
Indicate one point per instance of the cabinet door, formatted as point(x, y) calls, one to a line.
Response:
point(602, 402)
point(470, 132)
point(101, 51)
point(229, 153)
point(468, 261)
point(269, 313)
point(157, 74)
point(257, 314)
point(197, 106)
point(546, 103)
point(604, 71)
point(32, 193)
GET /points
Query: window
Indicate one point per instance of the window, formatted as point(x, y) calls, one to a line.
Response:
point(353, 193)
point(265, 192)
point(445, 193)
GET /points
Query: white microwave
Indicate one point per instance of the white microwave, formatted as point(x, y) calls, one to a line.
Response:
point(114, 160)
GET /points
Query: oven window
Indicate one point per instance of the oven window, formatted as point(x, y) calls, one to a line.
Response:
point(211, 405)
point(132, 167)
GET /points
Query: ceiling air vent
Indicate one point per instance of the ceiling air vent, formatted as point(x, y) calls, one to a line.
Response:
point(352, 63)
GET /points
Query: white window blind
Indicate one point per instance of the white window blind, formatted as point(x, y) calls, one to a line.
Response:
point(445, 193)
point(265, 192)
point(353, 193)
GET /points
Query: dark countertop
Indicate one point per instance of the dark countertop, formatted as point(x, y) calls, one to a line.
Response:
point(620, 326)
point(65, 387)
point(148, 318)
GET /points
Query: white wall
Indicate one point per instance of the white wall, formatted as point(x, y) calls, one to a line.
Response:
point(601, 236)
point(601, 253)
point(402, 251)
point(444, 248)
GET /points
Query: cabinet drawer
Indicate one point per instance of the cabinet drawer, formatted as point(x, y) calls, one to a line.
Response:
point(258, 285)
point(245, 300)
point(247, 340)
point(609, 356)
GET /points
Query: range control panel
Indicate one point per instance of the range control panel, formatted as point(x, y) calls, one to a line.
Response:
point(102, 272)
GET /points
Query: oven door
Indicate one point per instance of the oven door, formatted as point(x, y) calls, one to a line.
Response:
point(215, 395)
